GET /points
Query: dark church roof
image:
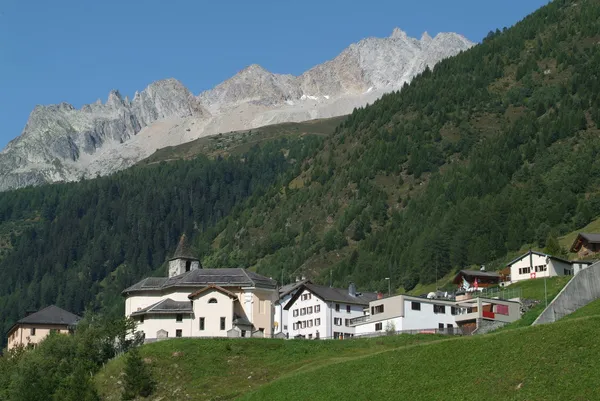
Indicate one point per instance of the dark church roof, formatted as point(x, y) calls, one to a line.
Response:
point(202, 278)
point(183, 250)
point(166, 306)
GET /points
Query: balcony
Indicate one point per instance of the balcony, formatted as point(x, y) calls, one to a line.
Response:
point(359, 320)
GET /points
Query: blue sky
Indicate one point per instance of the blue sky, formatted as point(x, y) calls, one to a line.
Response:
point(78, 50)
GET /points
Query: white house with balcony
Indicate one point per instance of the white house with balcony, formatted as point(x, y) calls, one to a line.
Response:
point(317, 311)
point(197, 302)
point(417, 314)
point(534, 264)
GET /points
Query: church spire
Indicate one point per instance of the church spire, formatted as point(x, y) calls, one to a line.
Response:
point(183, 249)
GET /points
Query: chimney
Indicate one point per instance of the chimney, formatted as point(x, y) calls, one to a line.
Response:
point(352, 290)
point(380, 295)
point(29, 312)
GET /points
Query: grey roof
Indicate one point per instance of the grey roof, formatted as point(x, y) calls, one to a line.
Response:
point(51, 315)
point(478, 273)
point(204, 277)
point(340, 295)
point(183, 250)
point(166, 306)
point(241, 321)
point(539, 254)
point(289, 288)
point(591, 237)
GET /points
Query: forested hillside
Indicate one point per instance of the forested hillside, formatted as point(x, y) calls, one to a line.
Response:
point(79, 245)
point(493, 149)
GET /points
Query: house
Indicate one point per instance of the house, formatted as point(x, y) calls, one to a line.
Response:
point(586, 244)
point(286, 293)
point(317, 311)
point(407, 313)
point(536, 264)
point(197, 302)
point(472, 280)
point(35, 327)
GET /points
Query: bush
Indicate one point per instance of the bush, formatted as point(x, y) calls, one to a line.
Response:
point(138, 378)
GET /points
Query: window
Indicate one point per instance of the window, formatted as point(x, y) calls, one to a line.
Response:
point(525, 270)
point(32, 331)
point(378, 326)
point(439, 309)
point(348, 309)
point(309, 310)
point(337, 335)
point(347, 322)
point(453, 310)
point(179, 317)
point(243, 333)
point(317, 308)
point(337, 321)
point(337, 307)
point(306, 297)
point(441, 326)
point(310, 335)
point(541, 268)
point(201, 323)
point(212, 301)
point(302, 311)
point(142, 319)
point(295, 312)
point(309, 323)
point(285, 327)
point(317, 322)
point(415, 305)
point(178, 333)
point(376, 309)
point(188, 265)
point(295, 326)
point(304, 324)
point(261, 307)
point(222, 323)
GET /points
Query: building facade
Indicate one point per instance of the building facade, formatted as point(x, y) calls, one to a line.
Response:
point(35, 327)
point(197, 302)
point(408, 313)
point(286, 293)
point(320, 312)
point(586, 244)
point(534, 264)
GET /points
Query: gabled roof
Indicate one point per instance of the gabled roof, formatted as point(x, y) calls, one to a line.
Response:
point(330, 294)
point(166, 306)
point(289, 288)
point(592, 238)
point(539, 254)
point(51, 315)
point(475, 274)
point(183, 250)
point(212, 287)
point(197, 279)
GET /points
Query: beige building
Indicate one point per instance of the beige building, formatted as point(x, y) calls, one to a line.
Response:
point(35, 327)
point(197, 302)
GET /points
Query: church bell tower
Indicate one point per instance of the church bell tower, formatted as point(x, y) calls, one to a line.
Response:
point(183, 261)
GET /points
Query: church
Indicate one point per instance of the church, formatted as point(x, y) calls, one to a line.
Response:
point(197, 302)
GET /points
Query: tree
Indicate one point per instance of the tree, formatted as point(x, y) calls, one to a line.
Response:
point(138, 378)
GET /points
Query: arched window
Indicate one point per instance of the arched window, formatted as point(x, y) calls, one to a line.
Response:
point(188, 265)
point(212, 301)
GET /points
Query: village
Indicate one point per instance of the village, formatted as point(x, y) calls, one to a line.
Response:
point(236, 303)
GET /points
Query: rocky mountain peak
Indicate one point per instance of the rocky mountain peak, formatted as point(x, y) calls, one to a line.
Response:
point(398, 33)
point(425, 38)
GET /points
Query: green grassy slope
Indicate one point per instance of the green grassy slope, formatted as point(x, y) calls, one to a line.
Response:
point(219, 369)
point(548, 362)
point(591, 309)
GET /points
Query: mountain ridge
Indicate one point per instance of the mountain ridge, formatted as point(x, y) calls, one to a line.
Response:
point(63, 143)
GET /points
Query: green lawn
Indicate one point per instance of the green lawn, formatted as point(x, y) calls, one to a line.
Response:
point(220, 369)
point(548, 362)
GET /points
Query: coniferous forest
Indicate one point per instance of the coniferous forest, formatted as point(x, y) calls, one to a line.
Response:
point(491, 150)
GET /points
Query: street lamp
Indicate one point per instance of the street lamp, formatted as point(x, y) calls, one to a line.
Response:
point(389, 286)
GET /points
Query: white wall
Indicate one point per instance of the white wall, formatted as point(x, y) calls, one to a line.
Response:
point(536, 260)
point(327, 316)
point(281, 315)
point(153, 323)
point(212, 313)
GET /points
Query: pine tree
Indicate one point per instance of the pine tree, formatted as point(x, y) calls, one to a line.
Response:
point(138, 378)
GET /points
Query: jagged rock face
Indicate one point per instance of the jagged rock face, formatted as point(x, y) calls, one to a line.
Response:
point(61, 143)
